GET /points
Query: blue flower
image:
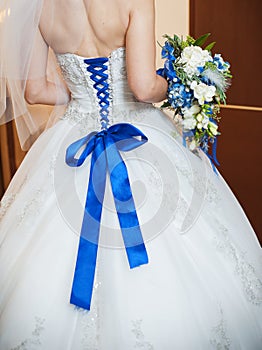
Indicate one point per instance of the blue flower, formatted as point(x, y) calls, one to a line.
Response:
point(179, 96)
point(204, 143)
point(201, 69)
point(161, 72)
point(168, 51)
point(220, 63)
point(205, 80)
point(170, 72)
point(210, 112)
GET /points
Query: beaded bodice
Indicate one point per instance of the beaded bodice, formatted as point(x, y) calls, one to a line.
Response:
point(97, 85)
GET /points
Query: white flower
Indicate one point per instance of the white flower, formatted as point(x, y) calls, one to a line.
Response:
point(190, 112)
point(189, 123)
point(194, 57)
point(202, 121)
point(193, 145)
point(199, 117)
point(203, 92)
point(213, 128)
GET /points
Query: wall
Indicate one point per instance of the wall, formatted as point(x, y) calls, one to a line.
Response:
point(172, 16)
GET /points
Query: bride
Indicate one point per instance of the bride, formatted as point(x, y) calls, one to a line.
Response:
point(113, 234)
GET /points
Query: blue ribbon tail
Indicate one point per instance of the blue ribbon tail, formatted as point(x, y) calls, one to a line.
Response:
point(214, 152)
point(125, 206)
point(105, 146)
point(84, 275)
point(185, 135)
point(213, 157)
point(82, 287)
point(184, 140)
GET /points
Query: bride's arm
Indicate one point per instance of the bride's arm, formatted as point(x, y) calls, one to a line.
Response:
point(146, 85)
point(38, 88)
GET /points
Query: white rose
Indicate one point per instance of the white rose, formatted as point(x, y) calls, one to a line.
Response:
point(189, 123)
point(190, 112)
point(203, 92)
point(195, 109)
point(194, 57)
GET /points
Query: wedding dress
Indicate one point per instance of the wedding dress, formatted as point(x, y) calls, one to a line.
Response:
point(202, 285)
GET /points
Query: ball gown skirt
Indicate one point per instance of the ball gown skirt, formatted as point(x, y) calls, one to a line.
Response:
point(202, 285)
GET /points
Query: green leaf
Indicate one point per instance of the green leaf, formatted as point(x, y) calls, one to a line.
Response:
point(201, 40)
point(165, 104)
point(159, 44)
point(210, 46)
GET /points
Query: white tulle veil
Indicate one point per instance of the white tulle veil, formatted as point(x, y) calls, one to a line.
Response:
point(19, 21)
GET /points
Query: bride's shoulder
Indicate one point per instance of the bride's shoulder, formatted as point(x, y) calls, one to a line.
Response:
point(141, 6)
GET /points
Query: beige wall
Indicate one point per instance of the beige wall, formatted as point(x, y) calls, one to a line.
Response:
point(172, 16)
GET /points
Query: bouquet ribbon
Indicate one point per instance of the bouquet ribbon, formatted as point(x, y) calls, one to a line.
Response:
point(212, 157)
point(105, 146)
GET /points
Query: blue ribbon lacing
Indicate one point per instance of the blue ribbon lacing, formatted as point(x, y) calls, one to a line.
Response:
point(97, 67)
point(105, 147)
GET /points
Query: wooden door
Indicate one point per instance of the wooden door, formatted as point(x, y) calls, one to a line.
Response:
point(236, 27)
point(11, 155)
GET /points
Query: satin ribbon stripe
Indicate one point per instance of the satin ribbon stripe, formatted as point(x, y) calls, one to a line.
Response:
point(105, 147)
point(98, 69)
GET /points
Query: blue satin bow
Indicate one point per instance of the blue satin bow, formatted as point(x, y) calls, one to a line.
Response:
point(105, 146)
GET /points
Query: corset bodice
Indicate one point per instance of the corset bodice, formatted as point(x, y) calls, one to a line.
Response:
point(97, 85)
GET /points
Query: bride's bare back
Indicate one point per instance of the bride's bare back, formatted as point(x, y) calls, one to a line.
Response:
point(85, 27)
point(93, 28)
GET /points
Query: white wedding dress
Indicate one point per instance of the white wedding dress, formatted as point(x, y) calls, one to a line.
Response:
point(202, 286)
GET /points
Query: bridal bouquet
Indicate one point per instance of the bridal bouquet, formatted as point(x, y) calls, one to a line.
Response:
point(197, 85)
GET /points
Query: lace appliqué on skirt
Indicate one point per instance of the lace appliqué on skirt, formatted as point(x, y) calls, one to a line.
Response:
point(34, 342)
point(5, 204)
point(220, 339)
point(31, 207)
point(141, 342)
point(252, 285)
point(89, 322)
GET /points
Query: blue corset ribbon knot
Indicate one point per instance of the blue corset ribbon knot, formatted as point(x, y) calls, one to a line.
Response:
point(105, 146)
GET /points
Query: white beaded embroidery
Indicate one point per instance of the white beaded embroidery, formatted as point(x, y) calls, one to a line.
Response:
point(118, 69)
point(252, 285)
point(141, 342)
point(201, 184)
point(5, 203)
point(89, 321)
point(69, 67)
point(52, 166)
point(34, 342)
point(220, 339)
point(88, 121)
point(32, 206)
